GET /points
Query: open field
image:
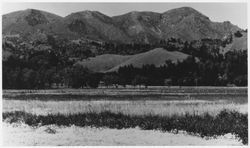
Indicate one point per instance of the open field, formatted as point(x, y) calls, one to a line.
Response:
point(169, 108)
point(203, 111)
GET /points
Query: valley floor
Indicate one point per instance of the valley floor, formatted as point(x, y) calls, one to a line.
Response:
point(23, 135)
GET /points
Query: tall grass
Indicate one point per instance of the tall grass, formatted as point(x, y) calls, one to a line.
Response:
point(202, 125)
point(162, 108)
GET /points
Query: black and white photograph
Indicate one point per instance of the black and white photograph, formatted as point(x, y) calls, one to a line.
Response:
point(150, 73)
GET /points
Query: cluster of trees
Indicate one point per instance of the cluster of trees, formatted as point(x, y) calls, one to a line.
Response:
point(38, 69)
point(238, 34)
point(35, 70)
point(135, 48)
point(43, 70)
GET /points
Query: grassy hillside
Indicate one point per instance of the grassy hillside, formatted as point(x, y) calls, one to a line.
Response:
point(239, 43)
point(103, 62)
point(156, 57)
point(112, 62)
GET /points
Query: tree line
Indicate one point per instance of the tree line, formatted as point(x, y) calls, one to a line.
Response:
point(45, 69)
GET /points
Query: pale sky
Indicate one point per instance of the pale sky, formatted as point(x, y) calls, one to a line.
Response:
point(236, 13)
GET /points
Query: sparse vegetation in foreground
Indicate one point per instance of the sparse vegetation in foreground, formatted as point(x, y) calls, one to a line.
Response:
point(202, 125)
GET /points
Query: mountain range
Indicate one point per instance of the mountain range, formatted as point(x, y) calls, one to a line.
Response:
point(134, 27)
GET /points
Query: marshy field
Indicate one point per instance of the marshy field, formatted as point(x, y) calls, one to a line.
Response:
point(126, 116)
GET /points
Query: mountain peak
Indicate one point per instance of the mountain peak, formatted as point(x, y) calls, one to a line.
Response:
point(36, 17)
point(134, 12)
point(87, 14)
point(31, 9)
point(184, 12)
point(183, 9)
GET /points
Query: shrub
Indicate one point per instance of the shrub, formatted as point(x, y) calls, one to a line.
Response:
point(238, 34)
